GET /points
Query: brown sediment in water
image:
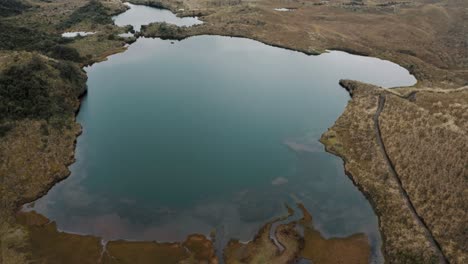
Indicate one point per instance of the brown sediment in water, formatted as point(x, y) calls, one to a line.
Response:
point(262, 249)
point(311, 245)
point(201, 248)
point(300, 147)
point(195, 249)
point(52, 246)
point(318, 249)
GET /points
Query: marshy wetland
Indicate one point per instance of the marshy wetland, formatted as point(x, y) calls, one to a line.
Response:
point(212, 135)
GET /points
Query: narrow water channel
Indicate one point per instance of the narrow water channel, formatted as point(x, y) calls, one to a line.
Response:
point(212, 133)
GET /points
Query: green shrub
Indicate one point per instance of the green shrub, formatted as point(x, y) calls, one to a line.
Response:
point(14, 37)
point(93, 12)
point(63, 52)
point(72, 73)
point(26, 90)
point(17, 37)
point(23, 92)
point(11, 7)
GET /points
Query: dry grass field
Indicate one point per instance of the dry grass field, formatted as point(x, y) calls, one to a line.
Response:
point(428, 143)
point(354, 139)
point(425, 138)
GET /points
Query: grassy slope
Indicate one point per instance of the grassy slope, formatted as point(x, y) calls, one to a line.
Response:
point(425, 138)
point(428, 142)
point(40, 85)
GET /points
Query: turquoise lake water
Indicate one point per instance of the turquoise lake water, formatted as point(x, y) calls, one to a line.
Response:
point(212, 133)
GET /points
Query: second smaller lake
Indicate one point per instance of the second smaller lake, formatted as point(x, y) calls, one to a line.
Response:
point(139, 15)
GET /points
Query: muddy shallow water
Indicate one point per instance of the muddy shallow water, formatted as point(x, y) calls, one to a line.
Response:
point(212, 133)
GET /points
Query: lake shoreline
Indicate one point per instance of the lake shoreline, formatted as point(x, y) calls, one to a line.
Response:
point(327, 147)
point(171, 36)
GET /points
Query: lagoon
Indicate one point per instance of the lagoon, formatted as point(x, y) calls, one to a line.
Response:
point(212, 133)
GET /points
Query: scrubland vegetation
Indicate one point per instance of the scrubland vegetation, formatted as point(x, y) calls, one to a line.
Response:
point(12, 7)
point(93, 12)
point(353, 138)
point(23, 38)
point(425, 139)
point(27, 90)
point(429, 147)
point(41, 81)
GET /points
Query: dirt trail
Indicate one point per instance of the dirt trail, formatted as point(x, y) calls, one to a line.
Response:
point(404, 194)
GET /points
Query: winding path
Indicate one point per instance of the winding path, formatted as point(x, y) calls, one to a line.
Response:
point(404, 194)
